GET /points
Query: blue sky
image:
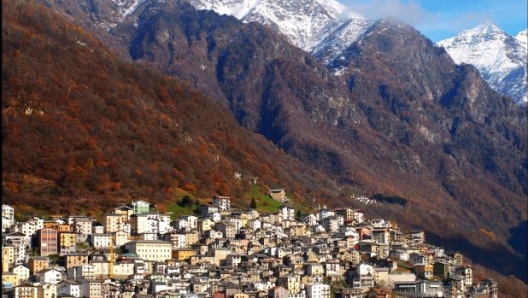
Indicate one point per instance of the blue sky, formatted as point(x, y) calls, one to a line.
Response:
point(440, 19)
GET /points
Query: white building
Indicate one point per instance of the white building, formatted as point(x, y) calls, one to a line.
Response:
point(254, 224)
point(50, 276)
point(81, 271)
point(318, 290)
point(180, 224)
point(359, 216)
point(380, 223)
point(149, 223)
point(192, 221)
point(18, 241)
point(150, 250)
point(332, 268)
point(23, 273)
point(69, 288)
point(310, 219)
point(215, 216)
point(120, 237)
point(364, 277)
point(80, 224)
point(223, 203)
point(177, 239)
point(8, 217)
point(29, 227)
point(101, 240)
point(287, 213)
point(399, 254)
point(236, 222)
point(323, 213)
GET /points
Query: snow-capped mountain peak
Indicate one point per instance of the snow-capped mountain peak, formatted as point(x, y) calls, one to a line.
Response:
point(306, 23)
point(522, 38)
point(500, 58)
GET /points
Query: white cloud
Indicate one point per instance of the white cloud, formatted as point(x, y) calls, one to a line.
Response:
point(410, 12)
point(429, 23)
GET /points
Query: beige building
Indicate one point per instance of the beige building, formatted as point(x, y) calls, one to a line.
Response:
point(278, 194)
point(183, 254)
point(201, 259)
point(205, 225)
point(219, 254)
point(67, 242)
point(91, 288)
point(228, 230)
point(292, 282)
point(192, 238)
point(25, 291)
point(75, 260)
point(8, 257)
point(121, 237)
point(346, 213)
point(37, 264)
point(113, 222)
point(123, 270)
point(123, 210)
point(47, 291)
point(313, 269)
point(150, 250)
point(64, 228)
point(22, 272)
point(82, 225)
point(10, 278)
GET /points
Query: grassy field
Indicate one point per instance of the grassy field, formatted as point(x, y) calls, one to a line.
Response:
point(176, 210)
point(264, 202)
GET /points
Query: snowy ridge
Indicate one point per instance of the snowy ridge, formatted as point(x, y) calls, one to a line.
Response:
point(326, 29)
point(306, 23)
point(333, 45)
point(500, 58)
point(522, 38)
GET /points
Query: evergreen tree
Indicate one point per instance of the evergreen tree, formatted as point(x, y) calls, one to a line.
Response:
point(253, 204)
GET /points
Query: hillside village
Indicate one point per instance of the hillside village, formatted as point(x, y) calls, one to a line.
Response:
point(136, 252)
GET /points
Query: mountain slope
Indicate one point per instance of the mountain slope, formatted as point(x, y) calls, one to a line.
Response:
point(401, 119)
point(404, 119)
point(80, 124)
point(500, 58)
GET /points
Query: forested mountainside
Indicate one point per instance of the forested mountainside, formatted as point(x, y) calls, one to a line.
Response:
point(399, 120)
point(80, 125)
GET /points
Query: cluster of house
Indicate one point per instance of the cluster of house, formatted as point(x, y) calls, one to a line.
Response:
point(134, 252)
